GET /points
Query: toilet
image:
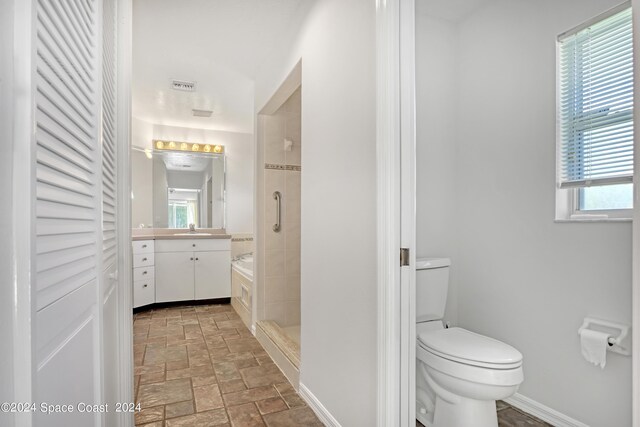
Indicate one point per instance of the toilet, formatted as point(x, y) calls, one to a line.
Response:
point(459, 374)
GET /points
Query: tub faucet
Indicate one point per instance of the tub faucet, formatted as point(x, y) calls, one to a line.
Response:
point(192, 228)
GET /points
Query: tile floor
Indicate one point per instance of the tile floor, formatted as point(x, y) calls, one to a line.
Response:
point(200, 366)
point(508, 416)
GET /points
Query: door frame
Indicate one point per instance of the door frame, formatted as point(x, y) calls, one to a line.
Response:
point(395, 146)
point(23, 210)
point(635, 256)
point(123, 213)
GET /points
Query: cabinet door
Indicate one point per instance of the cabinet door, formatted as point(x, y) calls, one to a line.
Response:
point(213, 274)
point(144, 292)
point(174, 276)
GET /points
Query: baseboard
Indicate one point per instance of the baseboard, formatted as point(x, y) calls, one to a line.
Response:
point(543, 412)
point(169, 304)
point(279, 358)
point(322, 412)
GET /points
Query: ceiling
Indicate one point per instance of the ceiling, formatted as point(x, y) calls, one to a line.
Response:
point(219, 44)
point(449, 10)
point(176, 161)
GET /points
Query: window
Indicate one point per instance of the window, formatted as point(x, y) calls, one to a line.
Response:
point(183, 207)
point(595, 118)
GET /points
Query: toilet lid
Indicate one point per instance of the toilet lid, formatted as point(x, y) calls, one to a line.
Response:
point(467, 347)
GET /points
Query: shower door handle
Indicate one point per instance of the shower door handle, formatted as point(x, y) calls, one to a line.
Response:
point(278, 198)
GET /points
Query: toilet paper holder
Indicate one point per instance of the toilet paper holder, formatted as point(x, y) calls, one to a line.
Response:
point(618, 331)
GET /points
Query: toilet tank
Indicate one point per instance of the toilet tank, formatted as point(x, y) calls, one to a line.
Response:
point(432, 283)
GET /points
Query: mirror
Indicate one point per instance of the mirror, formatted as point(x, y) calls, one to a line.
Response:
point(172, 189)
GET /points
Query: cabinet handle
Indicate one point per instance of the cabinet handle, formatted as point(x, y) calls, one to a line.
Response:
point(145, 286)
point(191, 258)
point(144, 246)
point(144, 272)
point(196, 259)
point(144, 259)
point(194, 245)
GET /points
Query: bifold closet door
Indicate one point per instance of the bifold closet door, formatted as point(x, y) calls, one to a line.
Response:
point(71, 254)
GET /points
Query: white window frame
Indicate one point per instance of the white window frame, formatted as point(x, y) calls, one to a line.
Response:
point(567, 199)
point(568, 209)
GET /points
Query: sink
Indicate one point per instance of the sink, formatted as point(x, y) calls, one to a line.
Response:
point(192, 234)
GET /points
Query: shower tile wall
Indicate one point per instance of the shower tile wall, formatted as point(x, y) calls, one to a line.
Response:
point(282, 249)
point(241, 243)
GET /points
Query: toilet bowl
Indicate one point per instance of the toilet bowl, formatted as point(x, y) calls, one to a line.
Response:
point(459, 374)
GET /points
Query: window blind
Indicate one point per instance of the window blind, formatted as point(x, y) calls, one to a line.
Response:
point(596, 102)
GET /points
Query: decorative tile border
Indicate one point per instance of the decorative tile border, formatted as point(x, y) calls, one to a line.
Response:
point(283, 167)
point(242, 239)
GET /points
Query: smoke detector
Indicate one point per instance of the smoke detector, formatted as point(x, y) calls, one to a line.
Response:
point(183, 85)
point(202, 113)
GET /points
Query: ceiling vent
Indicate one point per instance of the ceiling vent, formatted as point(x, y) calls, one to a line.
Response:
point(183, 85)
point(202, 113)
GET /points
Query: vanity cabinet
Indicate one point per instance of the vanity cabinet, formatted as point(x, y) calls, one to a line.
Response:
point(175, 276)
point(143, 273)
point(192, 269)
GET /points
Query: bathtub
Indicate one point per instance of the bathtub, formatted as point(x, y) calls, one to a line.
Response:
point(242, 286)
point(244, 266)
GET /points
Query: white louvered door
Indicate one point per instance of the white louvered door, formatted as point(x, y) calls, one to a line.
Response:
point(75, 288)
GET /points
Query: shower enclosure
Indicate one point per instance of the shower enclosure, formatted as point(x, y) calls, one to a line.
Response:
point(278, 284)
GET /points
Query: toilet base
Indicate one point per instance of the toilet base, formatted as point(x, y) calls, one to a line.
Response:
point(437, 407)
point(467, 412)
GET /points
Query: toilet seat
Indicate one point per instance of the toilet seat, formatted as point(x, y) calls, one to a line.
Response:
point(470, 373)
point(468, 348)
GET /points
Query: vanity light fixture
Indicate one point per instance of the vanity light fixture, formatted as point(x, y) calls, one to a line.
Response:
point(194, 147)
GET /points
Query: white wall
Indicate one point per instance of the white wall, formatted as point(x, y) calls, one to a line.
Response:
point(142, 189)
point(182, 179)
point(522, 278)
point(141, 133)
point(338, 227)
point(239, 176)
point(6, 219)
point(436, 172)
point(160, 197)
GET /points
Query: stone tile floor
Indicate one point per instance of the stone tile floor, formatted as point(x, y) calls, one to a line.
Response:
point(200, 366)
point(508, 416)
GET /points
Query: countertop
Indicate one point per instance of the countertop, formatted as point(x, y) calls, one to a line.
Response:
point(172, 234)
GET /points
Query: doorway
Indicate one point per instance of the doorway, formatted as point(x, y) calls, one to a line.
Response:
point(279, 171)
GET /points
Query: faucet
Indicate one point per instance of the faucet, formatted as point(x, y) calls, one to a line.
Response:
point(192, 228)
point(237, 257)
